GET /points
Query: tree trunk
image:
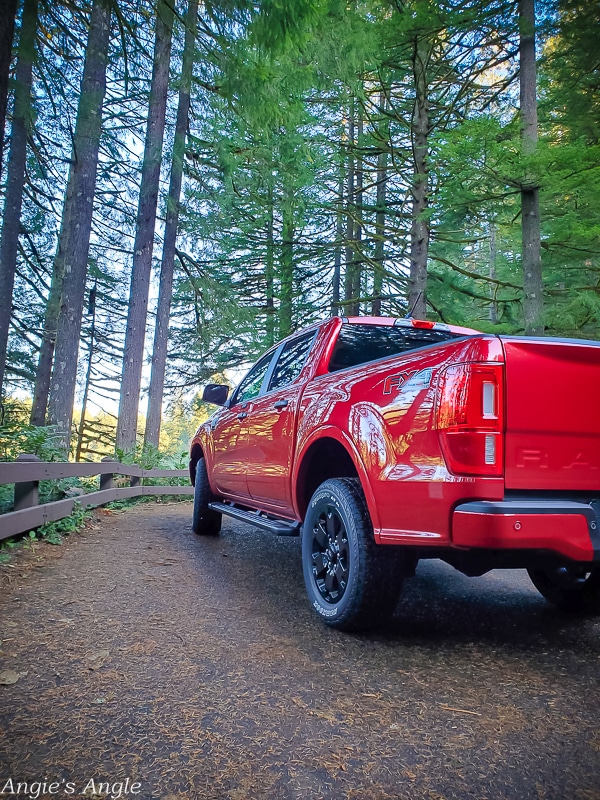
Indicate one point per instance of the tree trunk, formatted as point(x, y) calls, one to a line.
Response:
point(358, 229)
point(8, 12)
point(533, 286)
point(419, 233)
point(339, 240)
point(73, 247)
point(88, 373)
point(287, 267)
point(493, 257)
point(379, 255)
point(270, 273)
point(161, 332)
point(144, 236)
point(11, 221)
point(349, 298)
point(51, 314)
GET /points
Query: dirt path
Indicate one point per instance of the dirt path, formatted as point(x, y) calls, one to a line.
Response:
point(195, 669)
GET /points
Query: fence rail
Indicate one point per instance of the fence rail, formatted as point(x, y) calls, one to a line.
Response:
point(27, 472)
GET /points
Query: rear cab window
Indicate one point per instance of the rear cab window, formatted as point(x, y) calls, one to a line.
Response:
point(360, 344)
point(291, 360)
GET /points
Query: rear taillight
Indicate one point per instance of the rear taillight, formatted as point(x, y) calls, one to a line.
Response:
point(470, 418)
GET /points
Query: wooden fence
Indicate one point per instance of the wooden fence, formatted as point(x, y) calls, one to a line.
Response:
point(27, 471)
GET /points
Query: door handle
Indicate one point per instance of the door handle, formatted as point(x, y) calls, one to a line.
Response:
point(242, 416)
point(281, 404)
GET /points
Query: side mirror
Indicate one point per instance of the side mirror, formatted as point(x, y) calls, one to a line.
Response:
point(215, 393)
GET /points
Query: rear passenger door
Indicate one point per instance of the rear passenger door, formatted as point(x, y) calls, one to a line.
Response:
point(272, 427)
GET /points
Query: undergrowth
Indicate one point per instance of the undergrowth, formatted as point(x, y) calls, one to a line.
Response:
point(50, 532)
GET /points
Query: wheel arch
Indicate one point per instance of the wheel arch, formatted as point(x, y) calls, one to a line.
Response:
point(196, 453)
point(329, 454)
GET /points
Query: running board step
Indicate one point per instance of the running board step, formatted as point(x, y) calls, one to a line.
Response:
point(282, 527)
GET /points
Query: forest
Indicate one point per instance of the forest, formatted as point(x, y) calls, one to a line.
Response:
point(185, 183)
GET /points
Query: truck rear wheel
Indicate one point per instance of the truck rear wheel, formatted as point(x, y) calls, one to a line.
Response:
point(352, 583)
point(205, 521)
point(569, 587)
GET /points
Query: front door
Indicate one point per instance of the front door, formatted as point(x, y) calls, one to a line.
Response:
point(230, 434)
point(272, 419)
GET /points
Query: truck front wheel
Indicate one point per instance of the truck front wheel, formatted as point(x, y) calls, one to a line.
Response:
point(352, 583)
point(569, 587)
point(205, 521)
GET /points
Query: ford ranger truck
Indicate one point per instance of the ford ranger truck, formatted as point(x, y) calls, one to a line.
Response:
point(383, 441)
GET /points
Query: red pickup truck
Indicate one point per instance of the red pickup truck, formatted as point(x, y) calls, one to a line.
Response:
point(383, 441)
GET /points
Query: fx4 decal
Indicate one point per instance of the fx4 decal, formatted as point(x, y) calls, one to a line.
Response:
point(415, 379)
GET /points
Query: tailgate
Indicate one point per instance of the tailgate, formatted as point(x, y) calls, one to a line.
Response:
point(552, 414)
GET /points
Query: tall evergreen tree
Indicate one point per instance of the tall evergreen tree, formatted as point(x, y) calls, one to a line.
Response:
point(351, 266)
point(533, 286)
point(21, 128)
point(161, 332)
point(420, 130)
point(8, 12)
point(379, 254)
point(131, 379)
point(70, 265)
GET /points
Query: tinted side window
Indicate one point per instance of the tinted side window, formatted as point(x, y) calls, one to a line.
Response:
point(251, 385)
point(359, 344)
point(290, 362)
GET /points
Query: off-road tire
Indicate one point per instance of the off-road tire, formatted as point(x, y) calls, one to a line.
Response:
point(569, 587)
point(353, 584)
point(205, 521)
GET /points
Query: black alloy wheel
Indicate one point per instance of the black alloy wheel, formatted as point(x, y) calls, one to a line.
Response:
point(330, 554)
point(352, 582)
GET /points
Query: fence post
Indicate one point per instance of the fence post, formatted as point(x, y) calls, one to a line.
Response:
point(27, 493)
point(107, 481)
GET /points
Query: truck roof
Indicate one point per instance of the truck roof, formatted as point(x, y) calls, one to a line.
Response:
point(410, 322)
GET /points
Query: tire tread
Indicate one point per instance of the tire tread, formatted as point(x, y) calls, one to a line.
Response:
point(584, 599)
point(379, 580)
point(205, 521)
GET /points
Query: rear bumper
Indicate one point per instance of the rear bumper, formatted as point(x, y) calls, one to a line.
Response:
point(567, 528)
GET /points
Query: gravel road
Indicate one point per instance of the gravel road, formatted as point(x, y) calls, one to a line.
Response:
point(155, 664)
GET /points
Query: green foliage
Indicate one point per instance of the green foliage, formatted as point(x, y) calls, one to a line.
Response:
point(9, 545)
point(571, 72)
point(18, 436)
point(148, 457)
point(145, 456)
point(52, 533)
point(279, 22)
